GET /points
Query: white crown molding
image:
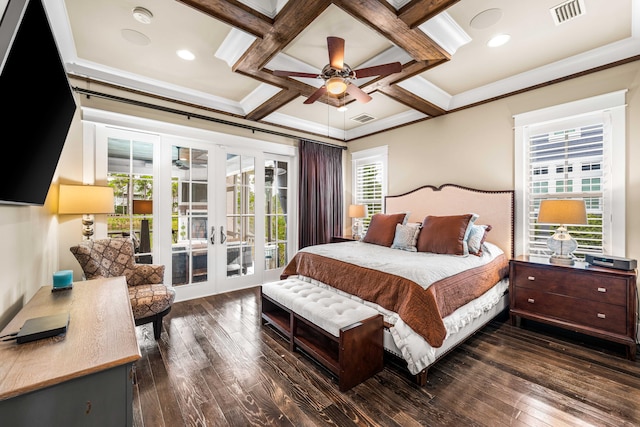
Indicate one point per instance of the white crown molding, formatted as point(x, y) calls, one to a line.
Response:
point(604, 55)
point(58, 18)
point(397, 4)
point(426, 90)
point(234, 46)
point(446, 32)
point(130, 80)
point(383, 124)
point(304, 125)
point(258, 96)
point(267, 7)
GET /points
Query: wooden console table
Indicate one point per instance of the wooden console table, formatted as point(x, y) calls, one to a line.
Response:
point(83, 377)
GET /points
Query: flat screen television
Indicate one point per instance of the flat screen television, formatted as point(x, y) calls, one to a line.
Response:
point(38, 103)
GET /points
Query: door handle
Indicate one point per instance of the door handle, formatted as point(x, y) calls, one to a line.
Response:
point(213, 235)
point(223, 237)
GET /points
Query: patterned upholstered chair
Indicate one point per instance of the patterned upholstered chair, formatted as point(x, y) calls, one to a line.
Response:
point(150, 299)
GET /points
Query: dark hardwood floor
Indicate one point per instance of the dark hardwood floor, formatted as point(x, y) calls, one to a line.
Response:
point(216, 365)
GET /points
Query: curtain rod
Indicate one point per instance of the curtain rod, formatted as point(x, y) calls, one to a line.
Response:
point(90, 93)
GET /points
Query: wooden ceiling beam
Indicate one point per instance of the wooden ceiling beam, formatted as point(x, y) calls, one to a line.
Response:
point(409, 99)
point(234, 13)
point(378, 17)
point(292, 19)
point(416, 12)
point(273, 35)
point(272, 104)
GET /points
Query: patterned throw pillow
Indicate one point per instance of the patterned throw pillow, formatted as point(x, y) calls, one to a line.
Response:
point(406, 237)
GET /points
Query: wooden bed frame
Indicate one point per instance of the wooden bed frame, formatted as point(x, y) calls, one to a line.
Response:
point(495, 208)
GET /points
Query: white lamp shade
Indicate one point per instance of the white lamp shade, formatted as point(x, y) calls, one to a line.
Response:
point(357, 211)
point(562, 211)
point(85, 199)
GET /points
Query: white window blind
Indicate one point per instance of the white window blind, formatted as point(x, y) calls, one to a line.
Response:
point(568, 164)
point(369, 181)
point(573, 150)
point(368, 188)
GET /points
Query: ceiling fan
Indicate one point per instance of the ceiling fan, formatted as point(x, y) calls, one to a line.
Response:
point(338, 76)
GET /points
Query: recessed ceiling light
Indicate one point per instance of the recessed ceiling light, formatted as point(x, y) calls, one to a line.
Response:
point(142, 15)
point(342, 108)
point(498, 40)
point(186, 55)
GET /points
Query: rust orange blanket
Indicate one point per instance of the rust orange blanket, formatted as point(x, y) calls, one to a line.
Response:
point(421, 309)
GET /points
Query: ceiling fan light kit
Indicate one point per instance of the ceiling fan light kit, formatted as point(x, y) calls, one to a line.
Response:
point(338, 77)
point(336, 85)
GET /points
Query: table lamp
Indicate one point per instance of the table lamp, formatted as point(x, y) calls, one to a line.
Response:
point(85, 200)
point(144, 207)
point(562, 212)
point(356, 212)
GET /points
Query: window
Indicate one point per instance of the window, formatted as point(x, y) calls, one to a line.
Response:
point(276, 179)
point(130, 173)
point(369, 180)
point(569, 151)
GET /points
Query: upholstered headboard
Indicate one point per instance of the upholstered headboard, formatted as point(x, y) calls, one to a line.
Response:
point(495, 208)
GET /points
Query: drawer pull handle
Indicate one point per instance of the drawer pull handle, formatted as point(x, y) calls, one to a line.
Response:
point(531, 300)
point(602, 315)
point(531, 278)
point(602, 289)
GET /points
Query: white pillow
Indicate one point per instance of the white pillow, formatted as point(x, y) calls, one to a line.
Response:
point(406, 237)
point(476, 238)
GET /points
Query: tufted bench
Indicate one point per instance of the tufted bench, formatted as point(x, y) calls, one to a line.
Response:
point(343, 335)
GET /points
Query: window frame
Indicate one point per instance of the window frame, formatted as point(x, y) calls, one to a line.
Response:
point(362, 158)
point(612, 108)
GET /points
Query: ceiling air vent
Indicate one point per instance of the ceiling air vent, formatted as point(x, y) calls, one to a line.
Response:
point(567, 10)
point(363, 118)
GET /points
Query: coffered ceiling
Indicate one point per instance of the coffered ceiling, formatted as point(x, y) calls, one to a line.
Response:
point(441, 44)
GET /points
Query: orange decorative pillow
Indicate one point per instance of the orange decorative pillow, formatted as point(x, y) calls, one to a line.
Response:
point(382, 228)
point(445, 234)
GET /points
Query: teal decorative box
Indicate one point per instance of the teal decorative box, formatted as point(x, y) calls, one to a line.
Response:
point(63, 279)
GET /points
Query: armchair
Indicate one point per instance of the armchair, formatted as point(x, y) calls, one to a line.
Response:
point(150, 299)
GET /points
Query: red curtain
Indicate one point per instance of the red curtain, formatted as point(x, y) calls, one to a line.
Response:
point(320, 193)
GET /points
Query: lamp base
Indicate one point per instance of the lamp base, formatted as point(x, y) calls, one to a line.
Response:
point(561, 260)
point(356, 230)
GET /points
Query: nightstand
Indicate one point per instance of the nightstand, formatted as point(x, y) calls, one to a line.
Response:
point(595, 301)
point(337, 239)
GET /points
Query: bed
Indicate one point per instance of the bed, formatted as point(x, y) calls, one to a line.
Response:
point(435, 294)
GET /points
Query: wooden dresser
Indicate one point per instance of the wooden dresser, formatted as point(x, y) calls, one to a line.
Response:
point(596, 301)
point(83, 377)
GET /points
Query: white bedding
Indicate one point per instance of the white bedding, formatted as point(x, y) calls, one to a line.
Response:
point(424, 269)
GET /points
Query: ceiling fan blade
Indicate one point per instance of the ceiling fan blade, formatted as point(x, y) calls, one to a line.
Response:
point(358, 93)
point(336, 52)
point(315, 95)
point(379, 70)
point(281, 73)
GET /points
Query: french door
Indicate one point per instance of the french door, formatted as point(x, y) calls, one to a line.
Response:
point(216, 239)
point(219, 218)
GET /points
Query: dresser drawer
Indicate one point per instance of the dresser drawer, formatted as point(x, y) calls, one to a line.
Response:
point(575, 283)
point(586, 313)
